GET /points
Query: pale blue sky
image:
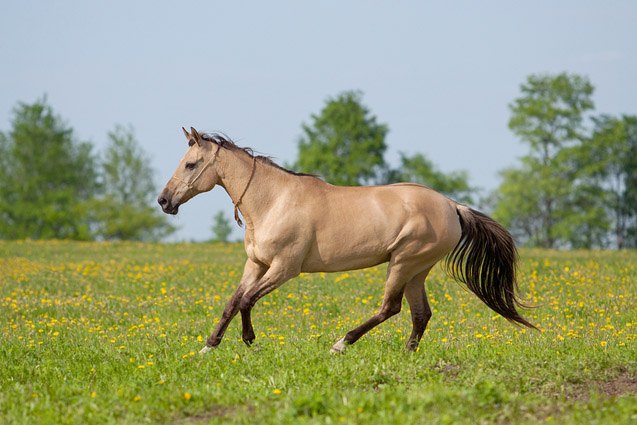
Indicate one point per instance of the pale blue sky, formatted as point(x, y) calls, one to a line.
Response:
point(439, 74)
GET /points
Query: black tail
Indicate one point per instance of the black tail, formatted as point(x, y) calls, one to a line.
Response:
point(485, 260)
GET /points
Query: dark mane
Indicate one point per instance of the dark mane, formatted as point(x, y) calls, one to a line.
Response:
point(225, 142)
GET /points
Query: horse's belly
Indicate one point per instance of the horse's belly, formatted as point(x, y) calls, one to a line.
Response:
point(312, 266)
point(334, 259)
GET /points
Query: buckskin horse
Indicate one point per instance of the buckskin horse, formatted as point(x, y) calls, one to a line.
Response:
point(298, 223)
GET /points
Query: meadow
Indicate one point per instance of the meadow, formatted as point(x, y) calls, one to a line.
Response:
point(95, 333)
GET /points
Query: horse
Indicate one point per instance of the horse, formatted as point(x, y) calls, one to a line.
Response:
point(297, 223)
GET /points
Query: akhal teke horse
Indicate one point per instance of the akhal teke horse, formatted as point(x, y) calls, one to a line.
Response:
point(298, 223)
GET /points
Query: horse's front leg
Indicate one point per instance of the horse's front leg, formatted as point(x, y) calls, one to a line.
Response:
point(252, 272)
point(275, 276)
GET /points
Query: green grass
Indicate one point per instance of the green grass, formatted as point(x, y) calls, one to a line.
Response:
point(108, 333)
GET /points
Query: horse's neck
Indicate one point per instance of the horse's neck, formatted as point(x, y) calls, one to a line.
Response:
point(249, 183)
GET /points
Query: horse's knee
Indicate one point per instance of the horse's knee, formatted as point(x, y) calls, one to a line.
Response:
point(228, 314)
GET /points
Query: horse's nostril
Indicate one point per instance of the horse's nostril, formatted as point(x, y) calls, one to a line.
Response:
point(162, 201)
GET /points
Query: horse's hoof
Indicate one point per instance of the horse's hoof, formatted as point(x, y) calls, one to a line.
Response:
point(412, 346)
point(205, 350)
point(248, 342)
point(339, 347)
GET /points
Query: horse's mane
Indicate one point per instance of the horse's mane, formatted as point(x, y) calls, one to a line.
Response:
point(225, 142)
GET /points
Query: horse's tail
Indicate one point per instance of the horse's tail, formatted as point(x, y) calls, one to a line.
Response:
point(485, 259)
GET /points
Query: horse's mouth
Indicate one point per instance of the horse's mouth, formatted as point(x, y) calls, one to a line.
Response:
point(172, 209)
point(167, 206)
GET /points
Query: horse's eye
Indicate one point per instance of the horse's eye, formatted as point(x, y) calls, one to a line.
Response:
point(191, 165)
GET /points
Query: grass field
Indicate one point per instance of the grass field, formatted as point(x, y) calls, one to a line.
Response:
point(108, 333)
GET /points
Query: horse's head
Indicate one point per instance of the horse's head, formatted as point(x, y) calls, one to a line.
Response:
point(195, 173)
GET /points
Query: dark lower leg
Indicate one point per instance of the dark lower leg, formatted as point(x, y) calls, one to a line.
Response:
point(390, 308)
point(251, 273)
point(247, 332)
point(392, 300)
point(419, 326)
point(228, 314)
point(268, 283)
point(420, 311)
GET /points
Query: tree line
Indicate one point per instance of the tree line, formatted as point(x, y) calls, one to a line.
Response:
point(575, 188)
point(55, 186)
point(577, 185)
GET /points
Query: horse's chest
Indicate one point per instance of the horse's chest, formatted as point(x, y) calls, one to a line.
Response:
point(266, 248)
point(259, 250)
point(249, 245)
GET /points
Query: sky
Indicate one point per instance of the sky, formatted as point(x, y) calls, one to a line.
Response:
point(440, 74)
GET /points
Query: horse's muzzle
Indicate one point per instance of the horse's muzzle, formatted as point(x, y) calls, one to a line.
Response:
point(167, 206)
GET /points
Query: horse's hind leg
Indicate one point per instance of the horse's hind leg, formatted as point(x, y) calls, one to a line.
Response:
point(420, 310)
point(397, 276)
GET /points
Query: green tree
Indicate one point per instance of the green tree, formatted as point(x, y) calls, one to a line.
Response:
point(548, 117)
point(344, 143)
point(125, 207)
point(420, 169)
point(47, 177)
point(221, 228)
point(517, 205)
point(609, 161)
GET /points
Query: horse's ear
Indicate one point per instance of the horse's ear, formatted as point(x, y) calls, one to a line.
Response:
point(186, 133)
point(195, 135)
